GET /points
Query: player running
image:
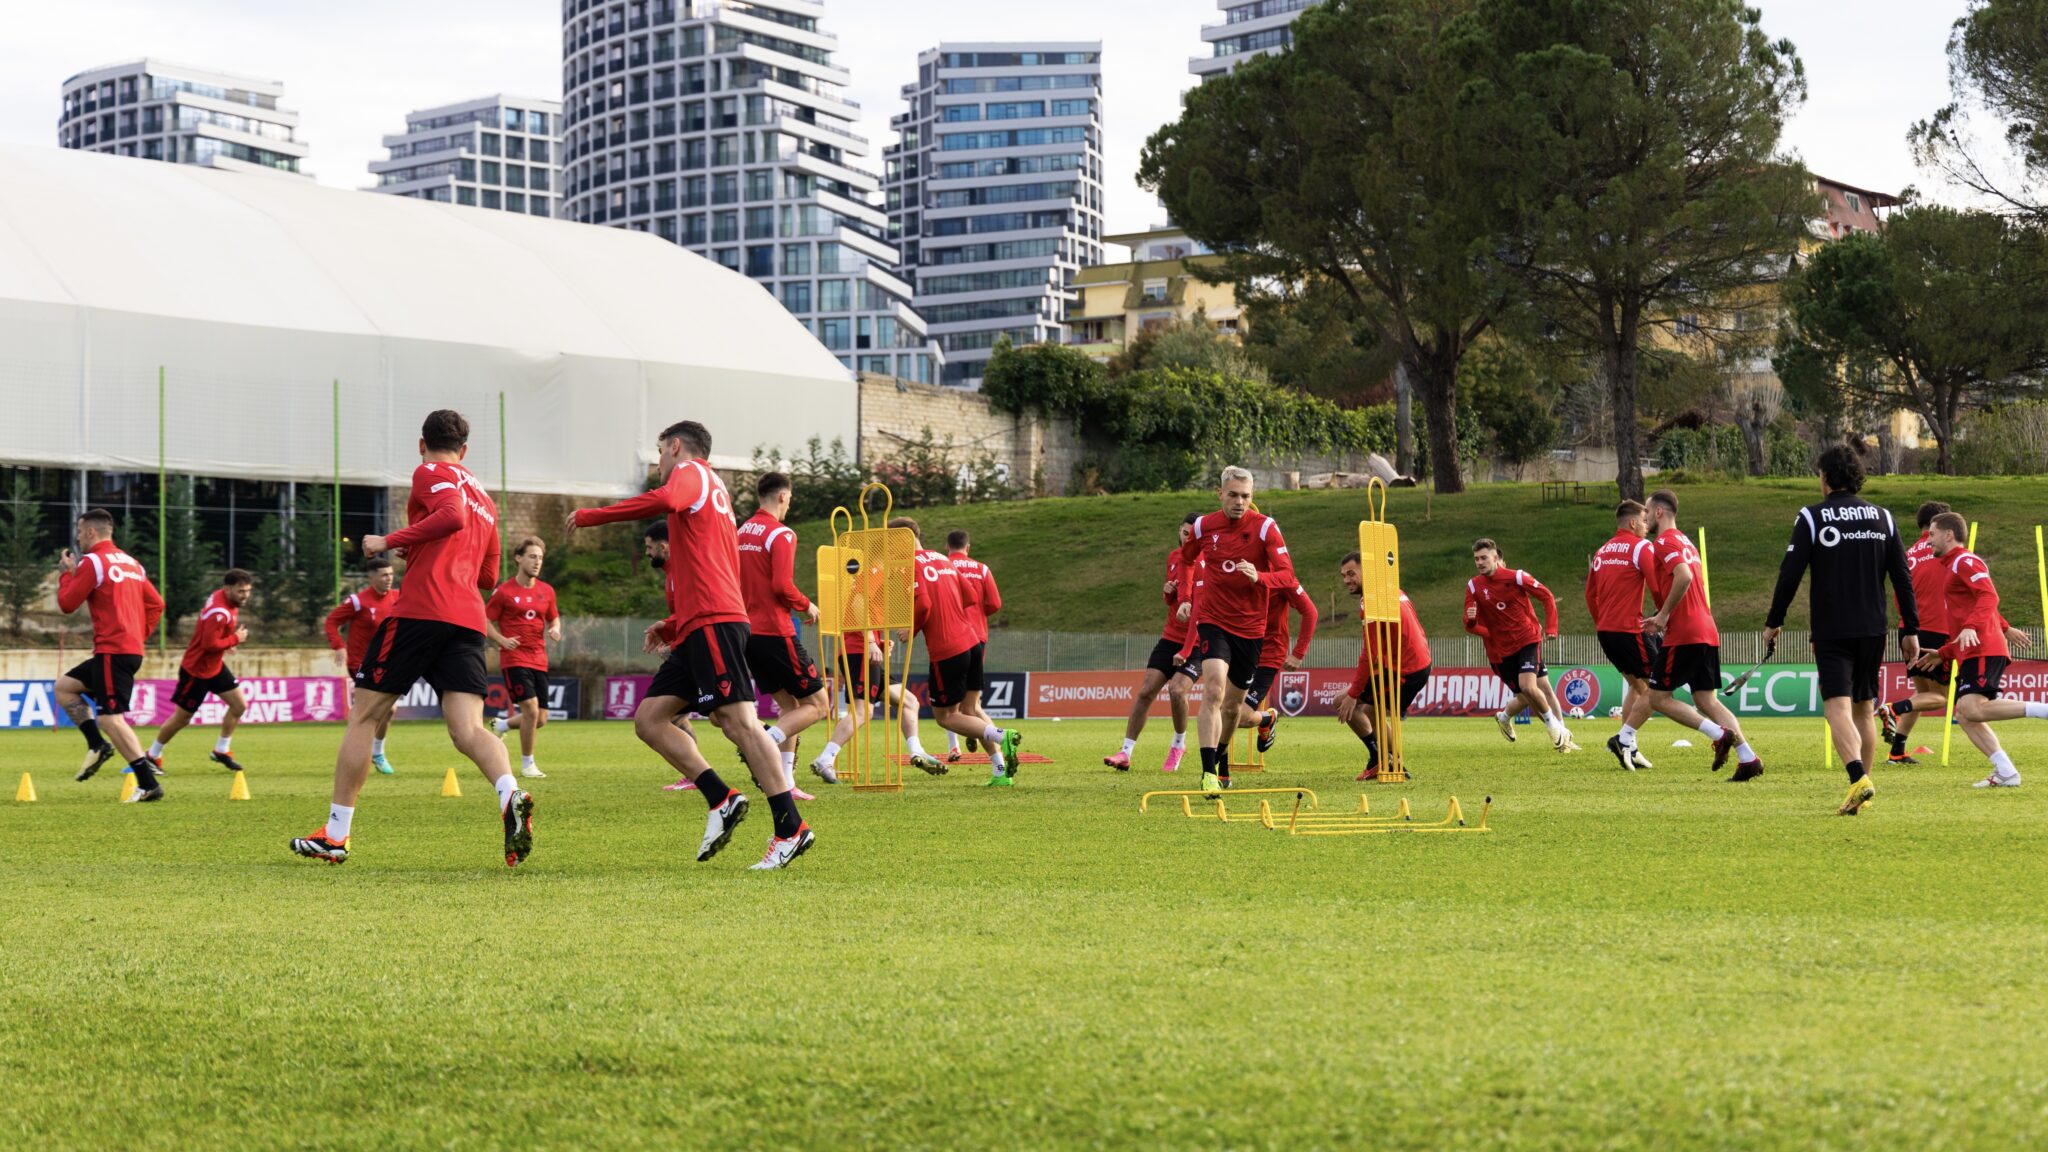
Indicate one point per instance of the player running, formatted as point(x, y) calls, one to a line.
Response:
point(705, 639)
point(1930, 594)
point(204, 670)
point(125, 607)
point(1355, 706)
point(1498, 611)
point(520, 620)
point(1614, 596)
point(947, 625)
point(1980, 644)
point(1243, 554)
point(984, 599)
point(1164, 668)
point(783, 668)
point(360, 614)
point(1853, 547)
point(434, 633)
point(1281, 594)
point(1690, 655)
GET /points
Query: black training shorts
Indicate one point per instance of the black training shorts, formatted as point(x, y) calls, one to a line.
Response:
point(109, 678)
point(707, 669)
point(1631, 653)
point(955, 677)
point(523, 684)
point(1694, 666)
point(1933, 642)
point(1262, 683)
point(404, 651)
point(783, 664)
point(1849, 667)
point(1241, 653)
point(1165, 661)
point(192, 690)
point(1981, 676)
point(1528, 658)
point(1412, 685)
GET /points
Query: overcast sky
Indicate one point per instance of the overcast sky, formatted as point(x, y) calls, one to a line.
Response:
point(353, 70)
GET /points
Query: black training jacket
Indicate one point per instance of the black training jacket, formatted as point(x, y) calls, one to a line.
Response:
point(1852, 546)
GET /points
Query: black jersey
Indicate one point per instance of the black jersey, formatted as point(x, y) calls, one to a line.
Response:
point(1852, 546)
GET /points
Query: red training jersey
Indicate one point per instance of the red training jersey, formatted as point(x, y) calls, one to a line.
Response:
point(1414, 649)
point(451, 547)
point(1930, 587)
point(1614, 586)
point(1972, 602)
point(768, 575)
point(978, 588)
point(125, 605)
point(1691, 621)
point(1180, 585)
point(359, 614)
point(523, 614)
point(1278, 599)
point(1497, 609)
point(1229, 601)
point(703, 546)
point(942, 614)
point(212, 635)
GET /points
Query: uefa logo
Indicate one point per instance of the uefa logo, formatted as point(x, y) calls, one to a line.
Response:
point(1579, 689)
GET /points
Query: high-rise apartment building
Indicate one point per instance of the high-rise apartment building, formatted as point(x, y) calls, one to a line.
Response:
point(491, 152)
point(1249, 28)
point(719, 125)
point(994, 192)
point(161, 111)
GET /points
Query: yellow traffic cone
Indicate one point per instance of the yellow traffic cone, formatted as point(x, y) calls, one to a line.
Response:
point(127, 786)
point(240, 790)
point(450, 786)
point(26, 794)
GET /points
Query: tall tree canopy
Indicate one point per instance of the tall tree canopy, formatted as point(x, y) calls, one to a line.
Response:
point(1998, 63)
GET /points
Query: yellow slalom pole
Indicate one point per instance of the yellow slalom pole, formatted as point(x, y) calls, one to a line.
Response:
point(1948, 727)
point(1706, 583)
point(1827, 744)
point(2041, 571)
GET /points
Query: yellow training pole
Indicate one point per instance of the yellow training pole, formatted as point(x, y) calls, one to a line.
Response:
point(2041, 571)
point(1706, 584)
point(1948, 727)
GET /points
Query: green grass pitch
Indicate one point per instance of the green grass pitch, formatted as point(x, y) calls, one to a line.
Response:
point(1646, 961)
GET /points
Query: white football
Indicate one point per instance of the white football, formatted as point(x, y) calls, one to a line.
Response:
point(1614, 713)
point(1577, 713)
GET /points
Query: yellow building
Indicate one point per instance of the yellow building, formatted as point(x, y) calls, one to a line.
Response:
point(1115, 302)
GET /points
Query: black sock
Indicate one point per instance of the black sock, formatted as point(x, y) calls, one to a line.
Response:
point(1903, 707)
point(712, 787)
point(1208, 759)
point(1856, 772)
point(94, 739)
point(783, 806)
point(145, 776)
point(1898, 745)
point(1372, 748)
point(1223, 763)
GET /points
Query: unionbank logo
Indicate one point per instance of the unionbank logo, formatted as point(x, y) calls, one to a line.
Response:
point(1579, 689)
point(1293, 692)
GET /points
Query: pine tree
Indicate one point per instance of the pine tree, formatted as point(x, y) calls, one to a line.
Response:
point(21, 568)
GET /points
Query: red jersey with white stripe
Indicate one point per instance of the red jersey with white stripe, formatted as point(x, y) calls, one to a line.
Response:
point(768, 575)
point(1691, 621)
point(451, 547)
point(125, 605)
point(942, 615)
point(359, 614)
point(1972, 603)
point(1414, 648)
point(212, 635)
point(703, 546)
point(1228, 600)
point(1614, 587)
point(1278, 600)
point(1930, 587)
point(1497, 608)
point(1181, 575)
point(978, 588)
point(523, 614)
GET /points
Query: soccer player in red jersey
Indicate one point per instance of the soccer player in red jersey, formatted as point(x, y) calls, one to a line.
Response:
point(1930, 594)
point(655, 539)
point(359, 614)
point(1165, 668)
point(1498, 610)
point(1691, 652)
point(783, 668)
point(1983, 643)
point(125, 607)
point(1354, 707)
point(1273, 654)
point(705, 639)
point(520, 619)
point(954, 682)
point(1615, 582)
point(204, 670)
point(984, 600)
point(1243, 554)
point(435, 632)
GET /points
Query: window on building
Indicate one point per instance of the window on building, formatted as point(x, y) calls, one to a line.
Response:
point(537, 179)
point(492, 145)
point(515, 176)
point(729, 257)
point(834, 296)
point(491, 198)
point(538, 206)
point(796, 261)
point(836, 333)
point(537, 123)
point(513, 118)
point(796, 296)
point(1155, 290)
point(515, 202)
point(515, 147)
point(540, 150)
point(760, 224)
point(466, 195)
point(761, 185)
point(492, 173)
point(1855, 201)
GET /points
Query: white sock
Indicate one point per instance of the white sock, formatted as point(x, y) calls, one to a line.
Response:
point(1628, 736)
point(339, 817)
point(156, 750)
point(2037, 711)
point(1180, 740)
point(376, 747)
point(221, 745)
point(506, 785)
point(1711, 730)
point(789, 761)
point(993, 737)
point(775, 735)
point(526, 761)
point(1551, 721)
point(1744, 753)
point(1130, 746)
point(995, 758)
point(952, 741)
point(2002, 764)
point(915, 745)
point(831, 752)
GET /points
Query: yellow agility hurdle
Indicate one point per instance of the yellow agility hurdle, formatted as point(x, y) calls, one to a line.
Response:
point(1312, 822)
point(872, 590)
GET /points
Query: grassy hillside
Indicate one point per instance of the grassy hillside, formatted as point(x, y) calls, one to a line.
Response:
point(1094, 564)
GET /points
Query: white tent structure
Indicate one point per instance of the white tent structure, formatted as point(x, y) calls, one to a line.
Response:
point(253, 294)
